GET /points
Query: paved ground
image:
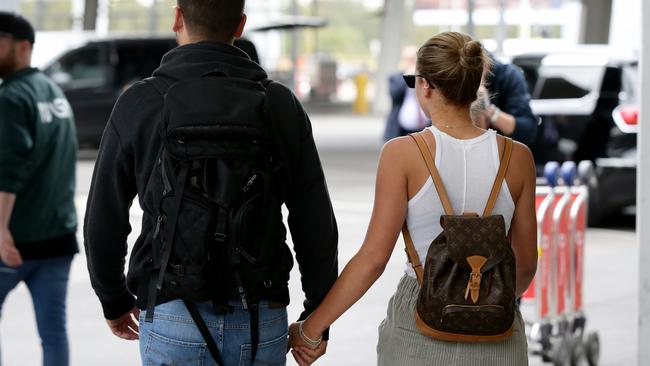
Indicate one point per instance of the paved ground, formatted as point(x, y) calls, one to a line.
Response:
point(349, 149)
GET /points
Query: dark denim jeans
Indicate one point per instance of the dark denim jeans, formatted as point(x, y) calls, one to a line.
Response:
point(173, 338)
point(47, 281)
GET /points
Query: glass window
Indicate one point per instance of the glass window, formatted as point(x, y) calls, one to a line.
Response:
point(83, 67)
point(138, 60)
point(560, 88)
point(630, 84)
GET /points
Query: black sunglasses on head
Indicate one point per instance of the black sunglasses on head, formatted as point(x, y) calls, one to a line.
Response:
point(410, 80)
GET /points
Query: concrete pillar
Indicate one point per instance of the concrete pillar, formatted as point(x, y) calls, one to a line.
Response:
point(471, 27)
point(392, 31)
point(39, 16)
point(501, 33)
point(596, 19)
point(294, 49)
point(643, 194)
point(153, 17)
point(90, 15)
point(315, 13)
point(103, 17)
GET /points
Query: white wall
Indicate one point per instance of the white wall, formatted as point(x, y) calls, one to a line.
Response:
point(643, 195)
point(625, 30)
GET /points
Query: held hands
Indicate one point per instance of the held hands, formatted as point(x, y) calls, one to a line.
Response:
point(8, 252)
point(305, 349)
point(126, 326)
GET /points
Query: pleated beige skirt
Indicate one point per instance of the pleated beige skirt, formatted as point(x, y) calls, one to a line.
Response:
point(402, 344)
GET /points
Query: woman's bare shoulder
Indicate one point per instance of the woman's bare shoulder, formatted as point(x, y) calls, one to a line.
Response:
point(522, 158)
point(399, 147)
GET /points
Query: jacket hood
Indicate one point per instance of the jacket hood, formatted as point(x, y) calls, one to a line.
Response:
point(197, 59)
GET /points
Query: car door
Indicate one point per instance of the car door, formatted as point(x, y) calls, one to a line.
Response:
point(86, 79)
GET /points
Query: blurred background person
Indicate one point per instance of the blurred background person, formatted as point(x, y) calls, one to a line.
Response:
point(478, 109)
point(38, 220)
point(405, 116)
point(509, 109)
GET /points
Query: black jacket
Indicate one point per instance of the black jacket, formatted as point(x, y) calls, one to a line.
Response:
point(126, 157)
point(397, 90)
point(510, 94)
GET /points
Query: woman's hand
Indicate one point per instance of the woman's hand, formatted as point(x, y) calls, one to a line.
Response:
point(303, 352)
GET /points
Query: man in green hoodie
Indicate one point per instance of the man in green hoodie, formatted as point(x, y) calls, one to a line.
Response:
point(38, 221)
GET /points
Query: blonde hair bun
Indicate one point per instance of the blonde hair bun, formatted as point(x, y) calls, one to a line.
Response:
point(454, 63)
point(471, 55)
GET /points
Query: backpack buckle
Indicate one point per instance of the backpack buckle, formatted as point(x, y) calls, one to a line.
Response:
point(220, 237)
point(474, 284)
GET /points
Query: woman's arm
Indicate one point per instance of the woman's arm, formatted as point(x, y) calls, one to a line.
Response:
point(368, 264)
point(524, 221)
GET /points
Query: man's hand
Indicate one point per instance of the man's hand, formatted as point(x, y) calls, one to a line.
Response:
point(9, 255)
point(126, 326)
point(303, 353)
point(305, 356)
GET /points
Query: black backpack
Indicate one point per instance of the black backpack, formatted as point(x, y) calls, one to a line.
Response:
point(214, 234)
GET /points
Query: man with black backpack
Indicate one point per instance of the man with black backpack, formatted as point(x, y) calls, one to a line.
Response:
point(212, 149)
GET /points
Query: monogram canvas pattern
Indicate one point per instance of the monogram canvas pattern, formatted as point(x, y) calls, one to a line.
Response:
point(467, 291)
point(442, 304)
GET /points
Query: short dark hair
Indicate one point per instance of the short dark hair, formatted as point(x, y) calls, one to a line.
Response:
point(215, 19)
point(16, 26)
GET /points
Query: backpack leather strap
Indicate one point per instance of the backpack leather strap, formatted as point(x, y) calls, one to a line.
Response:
point(431, 165)
point(412, 254)
point(498, 181)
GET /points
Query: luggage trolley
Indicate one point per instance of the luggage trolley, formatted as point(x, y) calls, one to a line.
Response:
point(552, 305)
point(538, 301)
point(585, 346)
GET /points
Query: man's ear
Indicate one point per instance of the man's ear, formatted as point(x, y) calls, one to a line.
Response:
point(179, 22)
point(24, 48)
point(240, 27)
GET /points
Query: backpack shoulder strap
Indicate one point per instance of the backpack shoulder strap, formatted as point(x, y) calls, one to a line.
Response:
point(431, 165)
point(498, 181)
point(411, 252)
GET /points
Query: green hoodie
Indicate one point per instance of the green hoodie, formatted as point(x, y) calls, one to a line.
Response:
point(38, 150)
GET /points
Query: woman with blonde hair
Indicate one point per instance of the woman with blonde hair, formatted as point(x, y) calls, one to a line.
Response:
point(450, 70)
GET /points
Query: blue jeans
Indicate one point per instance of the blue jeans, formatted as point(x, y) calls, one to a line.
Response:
point(173, 338)
point(47, 281)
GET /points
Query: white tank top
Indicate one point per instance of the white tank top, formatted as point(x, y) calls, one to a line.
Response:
point(468, 169)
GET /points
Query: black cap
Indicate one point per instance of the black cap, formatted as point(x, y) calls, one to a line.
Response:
point(16, 26)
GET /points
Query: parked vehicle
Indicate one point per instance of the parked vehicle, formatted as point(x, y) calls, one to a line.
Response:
point(587, 100)
point(95, 71)
point(94, 74)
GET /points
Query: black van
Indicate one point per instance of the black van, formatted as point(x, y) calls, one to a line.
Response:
point(94, 74)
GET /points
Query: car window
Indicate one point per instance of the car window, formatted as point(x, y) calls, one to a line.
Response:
point(559, 88)
point(629, 93)
point(138, 60)
point(529, 65)
point(568, 81)
point(84, 67)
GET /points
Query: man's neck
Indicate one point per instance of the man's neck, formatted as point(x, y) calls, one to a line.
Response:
point(191, 40)
point(13, 72)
